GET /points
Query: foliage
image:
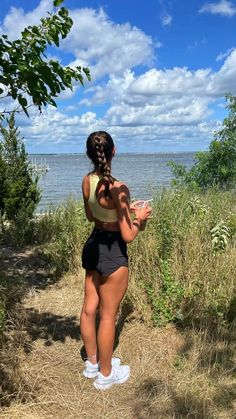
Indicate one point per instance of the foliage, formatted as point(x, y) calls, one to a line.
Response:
point(165, 301)
point(220, 236)
point(181, 267)
point(62, 232)
point(19, 189)
point(184, 270)
point(176, 272)
point(196, 208)
point(26, 71)
point(2, 182)
point(216, 166)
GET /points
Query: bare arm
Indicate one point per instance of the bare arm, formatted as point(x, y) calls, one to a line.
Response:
point(129, 229)
point(85, 191)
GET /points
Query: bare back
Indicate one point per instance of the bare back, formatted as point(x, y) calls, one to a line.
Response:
point(102, 200)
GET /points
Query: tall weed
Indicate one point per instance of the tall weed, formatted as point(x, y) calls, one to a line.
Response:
point(182, 267)
point(178, 270)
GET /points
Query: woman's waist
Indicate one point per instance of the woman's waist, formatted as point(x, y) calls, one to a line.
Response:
point(107, 226)
point(106, 236)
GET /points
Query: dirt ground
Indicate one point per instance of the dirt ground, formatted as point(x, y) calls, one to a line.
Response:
point(51, 358)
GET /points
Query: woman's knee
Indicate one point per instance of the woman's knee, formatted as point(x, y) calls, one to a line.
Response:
point(108, 315)
point(89, 310)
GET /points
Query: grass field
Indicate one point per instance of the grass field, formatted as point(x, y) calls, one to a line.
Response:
point(176, 327)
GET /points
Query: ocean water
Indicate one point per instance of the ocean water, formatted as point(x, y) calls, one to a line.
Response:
point(145, 174)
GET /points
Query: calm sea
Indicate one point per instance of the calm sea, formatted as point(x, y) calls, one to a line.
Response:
point(145, 174)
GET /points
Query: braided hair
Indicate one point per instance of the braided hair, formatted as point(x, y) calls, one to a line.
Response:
point(100, 148)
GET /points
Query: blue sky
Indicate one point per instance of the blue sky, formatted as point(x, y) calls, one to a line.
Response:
point(160, 70)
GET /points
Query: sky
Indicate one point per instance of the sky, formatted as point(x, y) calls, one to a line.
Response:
point(160, 70)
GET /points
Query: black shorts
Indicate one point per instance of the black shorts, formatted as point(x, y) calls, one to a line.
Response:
point(104, 252)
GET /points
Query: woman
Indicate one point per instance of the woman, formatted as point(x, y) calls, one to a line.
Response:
point(107, 204)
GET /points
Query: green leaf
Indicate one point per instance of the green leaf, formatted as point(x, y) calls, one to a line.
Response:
point(63, 12)
point(14, 93)
point(55, 38)
point(27, 69)
point(25, 111)
point(57, 3)
point(52, 102)
point(22, 101)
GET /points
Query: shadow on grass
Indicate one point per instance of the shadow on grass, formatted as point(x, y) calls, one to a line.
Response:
point(161, 397)
point(21, 270)
point(217, 348)
point(50, 327)
point(172, 404)
point(27, 268)
point(216, 358)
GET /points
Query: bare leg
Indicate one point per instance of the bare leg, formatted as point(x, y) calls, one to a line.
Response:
point(88, 315)
point(111, 291)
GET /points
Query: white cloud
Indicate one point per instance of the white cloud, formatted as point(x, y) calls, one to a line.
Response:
point(225, 54)
point(223, 7)
point(16, 19)
point(153, 86)
point(169, 105)
point(55, 127)
point(94, 40)
point(107, 48)
point(166, 19)
point(185, 113)
point(114, 91)
point(174, 82)
point(223, 81)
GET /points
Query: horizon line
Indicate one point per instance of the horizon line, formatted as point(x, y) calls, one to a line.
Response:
point(119, 153)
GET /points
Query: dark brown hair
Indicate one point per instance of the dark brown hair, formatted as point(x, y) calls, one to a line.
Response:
point(100, 148)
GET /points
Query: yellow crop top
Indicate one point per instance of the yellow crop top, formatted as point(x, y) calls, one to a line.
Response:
point(100, 213)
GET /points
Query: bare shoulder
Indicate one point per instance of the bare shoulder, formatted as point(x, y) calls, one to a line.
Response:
point(85, 179)
point(119, 189)
point(85, 186)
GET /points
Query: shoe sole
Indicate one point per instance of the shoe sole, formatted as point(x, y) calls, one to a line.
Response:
point(108, 385)
point(91, 374)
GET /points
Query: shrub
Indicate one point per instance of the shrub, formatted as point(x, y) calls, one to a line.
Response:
point(62, 232)
point(178, 273)
point(216, 166)
point(20, 193)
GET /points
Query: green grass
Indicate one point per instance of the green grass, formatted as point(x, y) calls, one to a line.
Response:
point(179, 267)
point(182, 267)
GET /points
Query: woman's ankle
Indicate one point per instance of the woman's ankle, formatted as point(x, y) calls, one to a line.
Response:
point(92, 359)
point(105, 371)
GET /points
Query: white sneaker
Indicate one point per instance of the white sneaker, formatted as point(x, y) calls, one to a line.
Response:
point(91, 370)
point(119, 374)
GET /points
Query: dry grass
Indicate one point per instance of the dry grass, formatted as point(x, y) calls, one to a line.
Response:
point(173, 374)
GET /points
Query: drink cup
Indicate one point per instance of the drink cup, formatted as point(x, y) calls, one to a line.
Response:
point(141, 204)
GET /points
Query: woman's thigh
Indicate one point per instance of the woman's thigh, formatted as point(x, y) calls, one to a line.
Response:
point(91, 292)
point(111, 291)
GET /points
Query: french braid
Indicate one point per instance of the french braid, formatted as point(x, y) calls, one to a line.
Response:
point(99, 149)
